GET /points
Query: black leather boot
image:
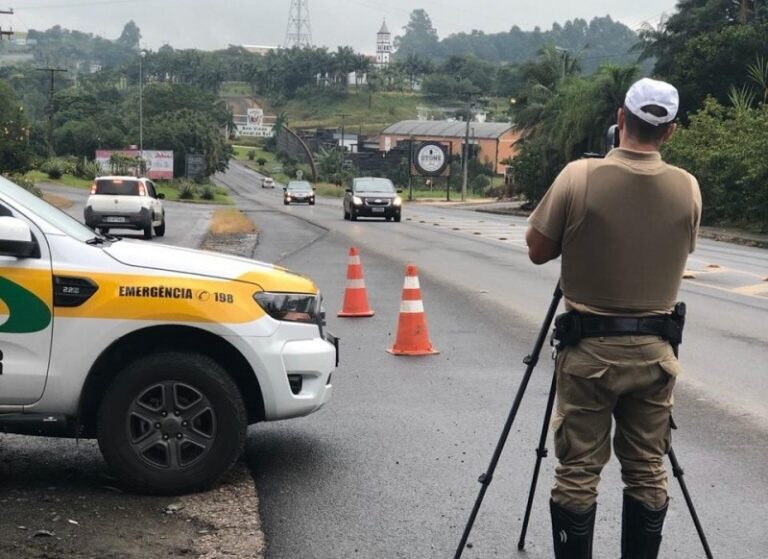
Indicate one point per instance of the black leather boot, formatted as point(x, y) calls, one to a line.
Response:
point(641, 529)
point(572, 532)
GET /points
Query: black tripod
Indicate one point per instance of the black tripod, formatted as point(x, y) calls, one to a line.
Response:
point(485, 478)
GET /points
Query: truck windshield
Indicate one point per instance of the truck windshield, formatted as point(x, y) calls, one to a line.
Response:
point(117, 187)
point(27, 203)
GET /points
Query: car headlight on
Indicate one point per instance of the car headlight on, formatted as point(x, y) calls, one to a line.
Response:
point(290, 307)
point(397, 201)
point(288, 197)
point(357, 201)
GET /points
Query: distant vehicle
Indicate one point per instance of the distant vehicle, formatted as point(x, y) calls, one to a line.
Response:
point(372, 197)
point(267, 182)
point(125, 203)
point(299, 191)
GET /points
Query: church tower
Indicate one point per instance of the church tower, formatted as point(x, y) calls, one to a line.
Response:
point(383, 46)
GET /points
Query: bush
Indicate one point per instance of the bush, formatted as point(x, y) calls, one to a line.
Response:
point(724, 148)
point(55, 168)
point(208, 193)
point(497, 191)
point(480, 182)
point(261, 161)
point(86, 169)
point(187, 192)
point(251, 154)
point(25, 182)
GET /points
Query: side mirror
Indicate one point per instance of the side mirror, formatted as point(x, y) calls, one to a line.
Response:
point(16, 238)
point(348, 190)
point(160, 196)
point(399, 190)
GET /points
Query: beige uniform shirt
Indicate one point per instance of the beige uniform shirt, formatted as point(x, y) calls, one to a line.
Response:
point(625, 224)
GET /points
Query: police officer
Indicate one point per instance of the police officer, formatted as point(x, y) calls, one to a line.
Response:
point(624, 226)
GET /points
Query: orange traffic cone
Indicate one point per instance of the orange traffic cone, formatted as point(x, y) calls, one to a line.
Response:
point(412, 335)
point(355, 296)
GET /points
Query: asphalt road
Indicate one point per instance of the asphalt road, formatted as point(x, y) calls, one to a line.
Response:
point(389, 467)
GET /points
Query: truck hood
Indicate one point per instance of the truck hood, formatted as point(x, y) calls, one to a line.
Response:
point(208, 264)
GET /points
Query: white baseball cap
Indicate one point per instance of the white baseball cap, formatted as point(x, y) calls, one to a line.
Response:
point(646, 92)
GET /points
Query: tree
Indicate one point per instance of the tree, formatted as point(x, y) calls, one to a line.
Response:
point(14, 129)
point(130, 38)
point(420, 37)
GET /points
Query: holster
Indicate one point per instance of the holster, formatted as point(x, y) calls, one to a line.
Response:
point(571, 327)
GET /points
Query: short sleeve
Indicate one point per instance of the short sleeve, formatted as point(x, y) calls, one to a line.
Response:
point(696, 215)
point(549, 217)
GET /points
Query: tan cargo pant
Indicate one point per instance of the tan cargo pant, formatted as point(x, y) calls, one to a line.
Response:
point(630, 378)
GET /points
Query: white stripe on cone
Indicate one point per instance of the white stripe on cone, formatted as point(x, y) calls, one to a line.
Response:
point(411, 307)
point(411, 282)
point(355, 284)
point(354, 260)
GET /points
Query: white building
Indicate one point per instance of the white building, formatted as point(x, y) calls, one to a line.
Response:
point(383, 46)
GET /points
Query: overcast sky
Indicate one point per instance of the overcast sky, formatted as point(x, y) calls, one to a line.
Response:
point(206, 24)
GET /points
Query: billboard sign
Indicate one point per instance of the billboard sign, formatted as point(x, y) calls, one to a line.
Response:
point(159, 162)
point(430, 159)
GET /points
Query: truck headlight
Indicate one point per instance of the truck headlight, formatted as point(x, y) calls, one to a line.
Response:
point(397, 201)
point(290, 307)
point(357, 201)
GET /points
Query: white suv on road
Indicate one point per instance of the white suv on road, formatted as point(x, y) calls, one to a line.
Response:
point(163, 354)
point(125, 203)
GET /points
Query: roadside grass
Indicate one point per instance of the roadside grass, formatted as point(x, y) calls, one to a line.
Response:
point(65, 180)
point(58, 201)
point(230, 221)
point(323, 111)
point(171, 189)
point(236, 89)
point(173, 192)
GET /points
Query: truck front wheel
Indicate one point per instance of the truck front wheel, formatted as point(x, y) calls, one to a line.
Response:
point(172, 423)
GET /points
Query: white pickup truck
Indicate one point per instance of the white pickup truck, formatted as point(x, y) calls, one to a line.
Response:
point(163, 354)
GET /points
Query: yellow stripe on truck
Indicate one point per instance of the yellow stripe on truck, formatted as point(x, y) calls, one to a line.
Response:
point(177, 299)
point(35, 280)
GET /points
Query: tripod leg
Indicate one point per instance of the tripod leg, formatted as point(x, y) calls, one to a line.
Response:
point(541, 452)
point(677, 471)
point(531, 361)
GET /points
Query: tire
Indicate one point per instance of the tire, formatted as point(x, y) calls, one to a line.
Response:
point(286, 203)
point(397, 218)
point(312, 203)
point(104, 230)
point(160, 229)
point(192, 450)
point(148, 232)
point(352, 214)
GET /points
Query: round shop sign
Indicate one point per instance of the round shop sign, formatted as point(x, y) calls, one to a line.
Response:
point(431, 159)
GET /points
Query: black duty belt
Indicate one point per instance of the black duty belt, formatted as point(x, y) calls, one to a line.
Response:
point(571, 327)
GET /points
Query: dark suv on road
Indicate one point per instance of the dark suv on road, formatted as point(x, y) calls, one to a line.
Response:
point(372, 197)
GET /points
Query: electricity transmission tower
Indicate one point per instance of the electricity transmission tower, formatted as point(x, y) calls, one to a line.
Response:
point(298, 33)
point(4, 33)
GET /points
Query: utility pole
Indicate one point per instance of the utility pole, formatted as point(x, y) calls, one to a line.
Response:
point(6, 33)
point(299, 32)
point(343, 118)
point(49, 108)
point(465, 162)
point(142, 54)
